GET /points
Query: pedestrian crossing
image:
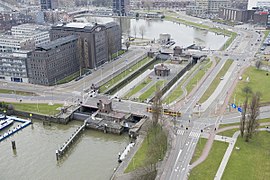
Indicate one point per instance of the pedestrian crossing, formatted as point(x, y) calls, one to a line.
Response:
point(194, 134)
point(180, 132)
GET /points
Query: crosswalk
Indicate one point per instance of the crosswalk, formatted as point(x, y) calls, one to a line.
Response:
point(194, 134)
point(180, 132)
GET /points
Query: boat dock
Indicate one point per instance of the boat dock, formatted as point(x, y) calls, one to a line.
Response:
point(61, 151)
point(24, 122)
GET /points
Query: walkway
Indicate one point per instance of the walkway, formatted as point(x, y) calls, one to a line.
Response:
point(227, 154)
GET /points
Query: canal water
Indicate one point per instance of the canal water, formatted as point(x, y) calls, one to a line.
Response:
point(93, 156)
point(183, 35)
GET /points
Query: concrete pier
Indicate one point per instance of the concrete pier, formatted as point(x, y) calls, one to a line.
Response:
point(61, 151)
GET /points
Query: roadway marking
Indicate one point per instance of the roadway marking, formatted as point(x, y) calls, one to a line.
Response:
point(181, 132)
point(194, 134)
point(176, 162)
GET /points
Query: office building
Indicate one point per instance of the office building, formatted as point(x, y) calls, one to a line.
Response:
point(40, 34)
point(93, 40)
point(121, 7)
point(9, 43)
point(48, 4)
point(203, 7)
point(54, 61)
point(13, 66)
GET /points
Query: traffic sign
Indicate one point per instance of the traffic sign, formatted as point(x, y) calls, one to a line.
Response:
point(239, 109)
point(233, 105)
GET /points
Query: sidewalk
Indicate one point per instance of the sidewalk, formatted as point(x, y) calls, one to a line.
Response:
point(227, 155)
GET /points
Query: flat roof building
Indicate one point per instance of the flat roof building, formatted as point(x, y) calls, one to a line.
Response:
point(9, 43)
point(94, 40)
point(13, 66)
point(54, 61)
point(39, 33)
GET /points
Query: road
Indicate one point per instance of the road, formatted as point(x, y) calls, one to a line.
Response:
point(74, 90)
point(241, 51)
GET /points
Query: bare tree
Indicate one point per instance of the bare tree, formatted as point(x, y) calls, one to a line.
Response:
point(135, 31)
point(127, 44)
point(142, 31)
point(157, 106)
point(243, 118)
point(252, 122)
point(111, 45)
point(258, 64)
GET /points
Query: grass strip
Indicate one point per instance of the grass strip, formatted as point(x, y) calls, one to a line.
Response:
point(138, 88)
point(122, 75)
point(193, 82)
point(199, 149)
point(151, 90)
point(39, 108)
point(152, 150)
point(216, 81)
point(23, 93)
point(207, 170)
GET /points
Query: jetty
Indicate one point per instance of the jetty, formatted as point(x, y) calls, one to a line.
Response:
point(63, 149)
point(10, 132)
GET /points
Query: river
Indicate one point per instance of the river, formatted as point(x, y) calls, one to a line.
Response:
point(183, 35)
point(93, 156)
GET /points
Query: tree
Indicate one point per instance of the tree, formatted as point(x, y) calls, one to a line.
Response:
point(127, 43)
point(142, 30)
point(135, 31)
point(157, 106)
point(247, 90)
point(252, 122)
point(258, 64)
point(243, 118)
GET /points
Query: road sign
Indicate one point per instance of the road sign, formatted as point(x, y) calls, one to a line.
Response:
point(233, 106)
point(239, 109)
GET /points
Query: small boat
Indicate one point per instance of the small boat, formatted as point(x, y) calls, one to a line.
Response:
point(5, 123)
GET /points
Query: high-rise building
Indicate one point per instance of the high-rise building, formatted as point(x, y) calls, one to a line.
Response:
point(94, 40)
point(121, 7)
point(48, 4)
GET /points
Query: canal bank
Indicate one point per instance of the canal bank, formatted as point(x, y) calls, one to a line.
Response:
point(93, 155)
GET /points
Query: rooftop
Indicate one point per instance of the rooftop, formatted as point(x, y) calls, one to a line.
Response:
point(79, 25)
point(57, 42)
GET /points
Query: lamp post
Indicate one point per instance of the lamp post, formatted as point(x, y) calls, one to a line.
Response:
point(5, 114)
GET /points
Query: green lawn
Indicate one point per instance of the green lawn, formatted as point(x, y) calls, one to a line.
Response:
point(229, 41)
point(40, 108)
point(124, 74)
point(252, 161)
point(23, 93)
point(138, 88)
point(199, 149)
point(69, 78)
point(258, 82)
point(152, 150)
point(207, 170)
point(216, 81)
point(151, 90)
point(119, 53)
point(177, 92)
point(193, 82)
point(229, 133)
point(265, 34)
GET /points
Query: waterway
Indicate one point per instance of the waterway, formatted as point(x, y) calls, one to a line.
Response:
point(93, 156)
point(183, 35)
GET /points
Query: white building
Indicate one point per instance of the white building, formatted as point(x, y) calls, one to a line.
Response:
point(13, 66)
point(10, 43)
point(258, 3)
point(39, 33)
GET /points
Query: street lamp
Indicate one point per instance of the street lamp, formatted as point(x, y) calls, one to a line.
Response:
point(5, 113)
